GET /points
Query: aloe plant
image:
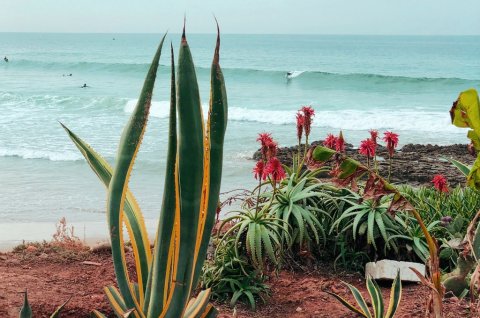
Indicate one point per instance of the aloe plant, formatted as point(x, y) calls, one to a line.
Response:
point(167, 277)
point(377, 300)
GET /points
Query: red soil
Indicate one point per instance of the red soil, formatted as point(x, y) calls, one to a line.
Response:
point(51, 277)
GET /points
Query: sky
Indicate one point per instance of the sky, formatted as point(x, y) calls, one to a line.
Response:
point(390, 17)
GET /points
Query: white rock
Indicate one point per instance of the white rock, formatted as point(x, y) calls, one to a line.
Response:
point(387, 269)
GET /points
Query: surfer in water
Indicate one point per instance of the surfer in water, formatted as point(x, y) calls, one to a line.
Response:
point(5, 59)
point(289, 75)
point(84, 86)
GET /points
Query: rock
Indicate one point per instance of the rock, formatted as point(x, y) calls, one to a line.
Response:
point(299, 309)
point(43, 255)
point(413, 164)
point(101, 247)
point(387, 270)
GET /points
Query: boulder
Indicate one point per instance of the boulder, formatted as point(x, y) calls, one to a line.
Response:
point(387, 270)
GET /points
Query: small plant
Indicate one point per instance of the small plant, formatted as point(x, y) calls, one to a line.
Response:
point(26, 310)
point(65, 235)
point(368, 218)
point(258, 234)
point(232, 277)
point(376, 299)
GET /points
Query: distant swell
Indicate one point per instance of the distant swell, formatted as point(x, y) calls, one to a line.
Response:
point(141, 68)
point(401, 120)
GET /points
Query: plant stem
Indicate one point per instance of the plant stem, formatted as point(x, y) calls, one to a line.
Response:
point(389, 167)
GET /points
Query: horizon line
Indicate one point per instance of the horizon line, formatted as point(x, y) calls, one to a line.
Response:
point(235, 33)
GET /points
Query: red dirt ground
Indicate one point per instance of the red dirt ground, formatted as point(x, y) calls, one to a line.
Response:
point(51, 277)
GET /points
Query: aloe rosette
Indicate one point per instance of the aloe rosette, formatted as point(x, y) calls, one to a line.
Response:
point(167, 276)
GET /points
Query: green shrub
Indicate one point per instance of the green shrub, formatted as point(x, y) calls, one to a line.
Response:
point(231, 277)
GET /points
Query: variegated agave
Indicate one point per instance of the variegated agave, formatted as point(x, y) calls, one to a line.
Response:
point(167, 277)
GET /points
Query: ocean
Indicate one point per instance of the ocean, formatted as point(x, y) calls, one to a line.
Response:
point(355, 83)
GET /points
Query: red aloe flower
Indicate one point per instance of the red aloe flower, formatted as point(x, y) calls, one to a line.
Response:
point(374, 135)
point(259, 169)
point(330, 141)
point(300, 124)
point(272, 149)
point(308, 114)
point(391, 139)
point(367, 148)
point(265, 140)
point(274, 169)
point(440, 183)
point(340, 143)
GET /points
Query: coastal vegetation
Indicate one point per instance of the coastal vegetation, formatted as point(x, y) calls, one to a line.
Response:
point(323, 207)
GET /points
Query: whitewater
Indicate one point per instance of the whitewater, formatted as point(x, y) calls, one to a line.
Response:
point(355, 83)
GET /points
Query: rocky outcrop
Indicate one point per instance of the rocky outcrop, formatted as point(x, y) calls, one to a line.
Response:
point(413, 164)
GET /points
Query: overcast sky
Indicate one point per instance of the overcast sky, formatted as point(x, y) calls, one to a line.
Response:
point(426, 17)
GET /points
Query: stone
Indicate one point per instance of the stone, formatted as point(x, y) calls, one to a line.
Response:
point(387, 270)
point(299, 309)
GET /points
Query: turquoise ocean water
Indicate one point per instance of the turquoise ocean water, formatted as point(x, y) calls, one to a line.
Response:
point(355, 83)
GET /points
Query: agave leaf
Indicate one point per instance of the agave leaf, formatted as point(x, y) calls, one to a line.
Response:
point(127, 151)
point(98, 314)
point(26, 310)
point(347, 304)
point(216, 127)
point(395, 296)
point(134, 218)
point(56, 314)
point(376, 296)
point(464, 169)
point(163, 241)
point(359, 299)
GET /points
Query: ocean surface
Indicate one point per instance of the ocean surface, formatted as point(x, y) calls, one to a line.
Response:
point(355, 83)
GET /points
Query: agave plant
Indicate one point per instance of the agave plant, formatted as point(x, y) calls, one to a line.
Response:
point(166, 278)
point(377, 301)
point(26, 310)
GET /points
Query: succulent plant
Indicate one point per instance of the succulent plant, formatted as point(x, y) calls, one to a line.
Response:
point(26, 310)
point(167, 277)
point(377, 300)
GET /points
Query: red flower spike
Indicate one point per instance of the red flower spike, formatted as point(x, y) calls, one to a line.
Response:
point(391, 139)
point(274, 169)
point(272, 149)
point(330, 141)
point(373, 135)
point(340, 143)
point(259, 169)
point(440, 183)
point(300, 124)
point(367, 148)
point(265, 140)
point(308, 114)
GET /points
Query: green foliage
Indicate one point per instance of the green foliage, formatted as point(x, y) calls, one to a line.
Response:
point(411, 236)
point(369, 219)
point(166, 279)
point(432, 205)
point(257, 234)
point(232, 277)
point(294, 203)
point(376, 299)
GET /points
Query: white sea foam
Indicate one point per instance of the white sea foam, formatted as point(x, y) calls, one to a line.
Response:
point(40, 154)
point(399, 120)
